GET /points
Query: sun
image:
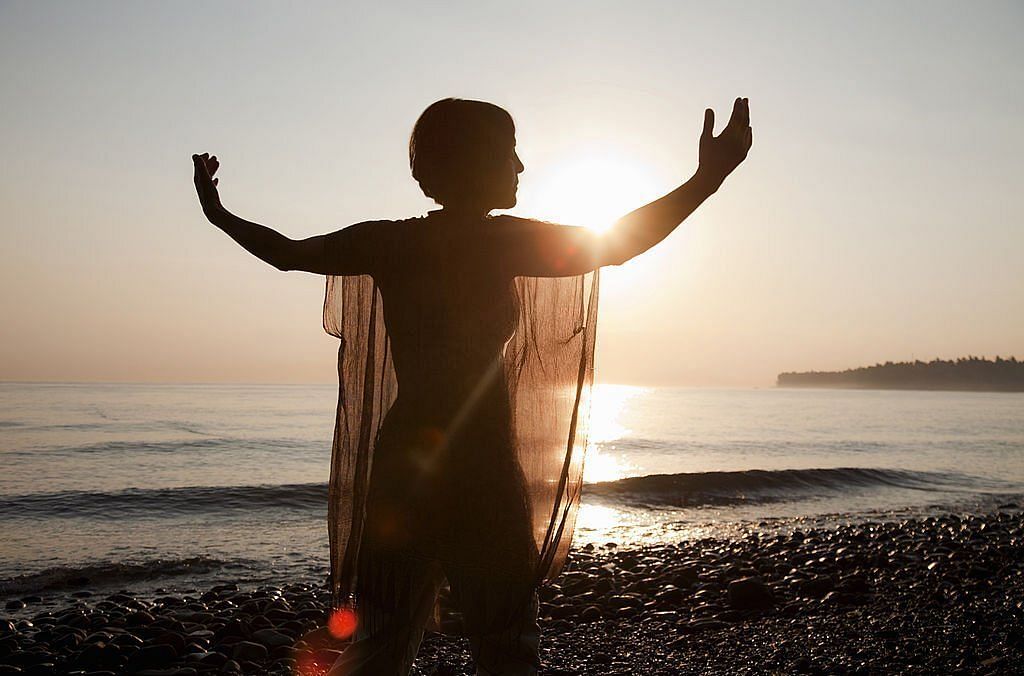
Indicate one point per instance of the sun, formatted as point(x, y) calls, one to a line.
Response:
point(593, 187)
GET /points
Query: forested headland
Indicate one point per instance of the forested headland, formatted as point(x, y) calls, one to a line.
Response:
point(965, 373)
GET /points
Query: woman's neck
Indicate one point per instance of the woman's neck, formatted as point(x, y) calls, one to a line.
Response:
point(463, 211)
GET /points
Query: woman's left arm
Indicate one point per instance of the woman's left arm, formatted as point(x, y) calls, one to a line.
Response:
point(719, 155)
point(549, 250)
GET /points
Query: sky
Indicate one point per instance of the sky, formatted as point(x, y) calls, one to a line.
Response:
point(876, 218)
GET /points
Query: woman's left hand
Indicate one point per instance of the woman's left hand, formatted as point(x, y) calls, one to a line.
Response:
point(720, 155)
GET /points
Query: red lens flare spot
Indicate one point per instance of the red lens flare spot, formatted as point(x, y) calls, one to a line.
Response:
point(431, 437)
point(342, 623)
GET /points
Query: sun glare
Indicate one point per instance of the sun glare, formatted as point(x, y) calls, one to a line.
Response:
point(603, 465)
point(593, 188)
point(602, 462)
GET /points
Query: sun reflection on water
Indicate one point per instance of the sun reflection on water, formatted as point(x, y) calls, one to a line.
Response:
point(598, 524)
point(602, 462)
point(597, 518)
point(602, 465)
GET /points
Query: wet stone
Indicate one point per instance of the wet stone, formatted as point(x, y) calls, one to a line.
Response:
point(247, 651)
point(817, 586)
point(750, 593)
point(99, 656)
point(170, 638)
point(151, 657)
point(231, 667)
point(271, 638)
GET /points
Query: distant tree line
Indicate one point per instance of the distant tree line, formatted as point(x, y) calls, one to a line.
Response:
point(965, 373)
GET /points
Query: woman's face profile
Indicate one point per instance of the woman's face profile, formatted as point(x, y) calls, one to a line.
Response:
point(506, 179)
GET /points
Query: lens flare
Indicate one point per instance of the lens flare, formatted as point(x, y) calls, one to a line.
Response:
point(342, 623)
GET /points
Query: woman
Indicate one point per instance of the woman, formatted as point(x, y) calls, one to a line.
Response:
point(462, 398)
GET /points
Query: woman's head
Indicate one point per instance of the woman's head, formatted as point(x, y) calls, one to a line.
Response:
point(463, 154)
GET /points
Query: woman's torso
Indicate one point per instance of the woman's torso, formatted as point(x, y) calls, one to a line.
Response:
point(445, 453)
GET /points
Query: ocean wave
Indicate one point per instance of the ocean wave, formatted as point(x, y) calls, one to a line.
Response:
point(168, 446)
point(754, 447)
point(106, 574)
point(754, 486)
point(661, 490)
point(138, 502)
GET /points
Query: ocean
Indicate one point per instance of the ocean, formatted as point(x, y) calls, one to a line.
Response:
point(169, 487)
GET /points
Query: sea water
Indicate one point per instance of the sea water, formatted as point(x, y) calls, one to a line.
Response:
point(146, 486)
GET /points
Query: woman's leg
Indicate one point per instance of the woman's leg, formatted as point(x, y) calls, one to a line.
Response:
point(392, 616)
point(500, 619)
point(492, 574)
point(492, 559)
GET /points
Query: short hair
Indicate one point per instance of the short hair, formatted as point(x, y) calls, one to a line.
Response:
point(454, 143)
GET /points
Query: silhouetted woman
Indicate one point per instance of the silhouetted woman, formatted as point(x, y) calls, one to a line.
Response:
point(442, 444)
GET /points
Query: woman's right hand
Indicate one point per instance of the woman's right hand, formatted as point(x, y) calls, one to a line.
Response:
point(206, 185)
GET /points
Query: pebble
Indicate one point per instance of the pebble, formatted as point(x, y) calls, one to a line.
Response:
point(750, 593)
point(247, 651)
point(271, 638)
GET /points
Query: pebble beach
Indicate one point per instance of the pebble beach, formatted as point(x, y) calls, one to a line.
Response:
point(936, 595)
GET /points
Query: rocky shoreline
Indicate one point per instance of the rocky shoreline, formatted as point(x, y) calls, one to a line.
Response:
point(937, 595)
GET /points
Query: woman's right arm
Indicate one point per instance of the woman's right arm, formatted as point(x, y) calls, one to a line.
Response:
point(343, 252)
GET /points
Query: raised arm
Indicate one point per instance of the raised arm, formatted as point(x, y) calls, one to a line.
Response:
point(344, 252)
point(556, 250)
point(719, 155)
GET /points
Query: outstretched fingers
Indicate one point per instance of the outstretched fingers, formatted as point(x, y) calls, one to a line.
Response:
point(200, 169)
point(206, 166)
point(738, 125)
point(709, 124)
point(734, 119)
point(200, 162)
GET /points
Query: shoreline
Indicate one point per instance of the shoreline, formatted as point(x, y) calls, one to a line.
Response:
point(941, 594)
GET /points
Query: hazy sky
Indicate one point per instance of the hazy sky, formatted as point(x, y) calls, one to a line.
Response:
point(877, 217)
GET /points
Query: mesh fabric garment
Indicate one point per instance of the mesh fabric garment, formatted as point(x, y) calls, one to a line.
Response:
point(506, 462)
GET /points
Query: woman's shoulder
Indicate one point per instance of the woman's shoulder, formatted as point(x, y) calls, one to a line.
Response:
point(521, 226)
point(383, 225)
point(383, 230)
point(516, 221)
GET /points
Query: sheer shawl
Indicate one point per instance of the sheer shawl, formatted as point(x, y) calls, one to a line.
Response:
point(549, 369)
